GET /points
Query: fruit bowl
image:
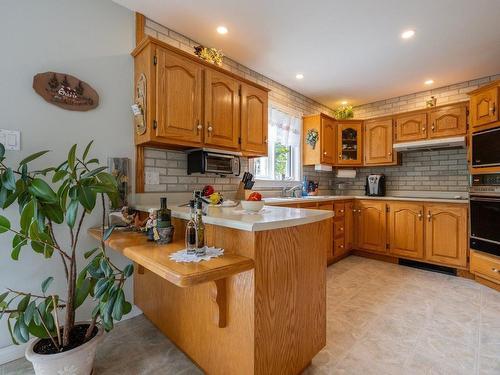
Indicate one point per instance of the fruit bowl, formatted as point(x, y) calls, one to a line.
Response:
point(254, 206)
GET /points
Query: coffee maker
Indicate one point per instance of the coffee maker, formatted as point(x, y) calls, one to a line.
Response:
point(375, 185)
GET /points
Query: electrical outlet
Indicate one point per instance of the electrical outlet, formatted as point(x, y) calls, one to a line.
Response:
point(152, 178)
point(11, 139)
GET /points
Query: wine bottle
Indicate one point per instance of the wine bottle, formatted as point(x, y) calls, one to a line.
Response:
point(164, 215)
point(191, 232)
point(200, 229)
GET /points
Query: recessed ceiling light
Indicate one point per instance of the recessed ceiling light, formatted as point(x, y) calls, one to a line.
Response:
point(344, 102)
point(429, 82)
point(299, 76)
point(222, 30)
point(407, 34)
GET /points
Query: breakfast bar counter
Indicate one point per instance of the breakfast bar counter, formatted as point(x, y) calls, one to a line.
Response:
point(258, 309)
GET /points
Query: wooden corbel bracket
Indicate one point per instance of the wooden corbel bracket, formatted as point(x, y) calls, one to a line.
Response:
point(218, 295)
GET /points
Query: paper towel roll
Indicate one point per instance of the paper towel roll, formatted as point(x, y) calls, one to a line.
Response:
point(346, 173)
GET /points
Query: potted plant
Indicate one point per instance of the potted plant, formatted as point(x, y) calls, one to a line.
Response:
point(64, 195)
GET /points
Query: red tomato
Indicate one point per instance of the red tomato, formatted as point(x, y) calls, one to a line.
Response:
point(255, 196)
point(208, 190)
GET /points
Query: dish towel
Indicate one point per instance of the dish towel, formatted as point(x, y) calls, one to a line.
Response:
point(182, 256)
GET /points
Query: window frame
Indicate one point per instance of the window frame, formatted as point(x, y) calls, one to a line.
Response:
point(270, 181)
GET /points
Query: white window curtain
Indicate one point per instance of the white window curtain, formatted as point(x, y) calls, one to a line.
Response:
point(284, 128)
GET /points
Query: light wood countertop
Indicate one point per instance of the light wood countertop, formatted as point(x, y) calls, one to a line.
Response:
point(155, 258)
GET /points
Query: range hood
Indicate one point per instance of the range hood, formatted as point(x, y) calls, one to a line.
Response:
point(430, 144)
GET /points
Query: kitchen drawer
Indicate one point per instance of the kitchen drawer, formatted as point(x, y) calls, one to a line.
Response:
point(325, 206)
point(338, 228)
point(338, 247)
point(339, 209)
point(485, 266)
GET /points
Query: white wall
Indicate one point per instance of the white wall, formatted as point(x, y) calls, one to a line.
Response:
point(92, 40)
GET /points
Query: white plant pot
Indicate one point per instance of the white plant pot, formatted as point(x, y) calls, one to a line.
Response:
point(78, 361)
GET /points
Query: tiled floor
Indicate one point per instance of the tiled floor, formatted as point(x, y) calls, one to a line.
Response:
point(383, 319)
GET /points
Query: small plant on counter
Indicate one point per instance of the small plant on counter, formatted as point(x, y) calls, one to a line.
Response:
point(70, 195)
point(343, 112)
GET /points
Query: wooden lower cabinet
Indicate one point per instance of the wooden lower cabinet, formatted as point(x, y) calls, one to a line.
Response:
point(370, 224)
point(485, 267)
point(406, 229)
point(446, 234)
point(349, 225)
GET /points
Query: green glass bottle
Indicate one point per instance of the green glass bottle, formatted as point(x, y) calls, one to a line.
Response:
point(163, 215)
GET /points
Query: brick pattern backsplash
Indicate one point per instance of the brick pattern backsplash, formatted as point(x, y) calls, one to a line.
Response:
point(439, 170)
point(444, 95)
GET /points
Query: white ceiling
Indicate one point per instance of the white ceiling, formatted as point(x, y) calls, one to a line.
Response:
point(347, 50)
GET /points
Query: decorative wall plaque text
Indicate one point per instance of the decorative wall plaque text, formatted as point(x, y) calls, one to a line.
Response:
point(65, 91)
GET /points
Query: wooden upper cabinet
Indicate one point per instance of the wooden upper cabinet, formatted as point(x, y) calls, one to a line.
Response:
point(327, 145)
point(324, 150)
point(446, 234)
point(349, 142)
point(411, 127)
point(378, 141)
point(406, 230)
point(484, 105)
point(179, 98)
point(370, 217)
point(222, 116)
point(254, 120)
point(448, 121)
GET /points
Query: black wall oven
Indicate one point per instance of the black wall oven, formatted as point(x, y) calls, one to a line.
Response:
point(485, 213)
point(486, 148)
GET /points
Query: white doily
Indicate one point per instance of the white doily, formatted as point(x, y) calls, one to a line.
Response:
point(183, 256)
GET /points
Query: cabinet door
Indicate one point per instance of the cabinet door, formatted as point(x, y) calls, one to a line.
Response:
point(349, 226)
point(412, 127)
point(484, 107)
point(179, 101)
point(371, 226)
point(222, 115)
point(446, 234)
point(406, 230)
point(254, 112)
point(448, 121)
point(378, 142)
point(349, 143)
point(327, 141)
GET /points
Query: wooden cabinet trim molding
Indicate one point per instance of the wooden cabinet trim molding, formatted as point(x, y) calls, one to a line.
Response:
point(150, 40)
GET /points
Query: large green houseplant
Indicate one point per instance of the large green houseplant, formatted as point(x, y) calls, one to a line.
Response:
point(63, 195)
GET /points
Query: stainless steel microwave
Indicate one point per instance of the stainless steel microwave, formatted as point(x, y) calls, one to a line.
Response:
point(486, 148)
point(210, 162)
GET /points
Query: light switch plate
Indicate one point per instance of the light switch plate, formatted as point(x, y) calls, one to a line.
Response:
point(152, 178)
point(11, 139)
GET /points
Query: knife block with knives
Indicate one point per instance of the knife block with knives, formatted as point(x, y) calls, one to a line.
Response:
point(245, 186)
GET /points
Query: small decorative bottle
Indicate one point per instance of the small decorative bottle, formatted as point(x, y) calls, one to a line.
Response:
point(200, 229)
point(191, 231)
point(305, 186)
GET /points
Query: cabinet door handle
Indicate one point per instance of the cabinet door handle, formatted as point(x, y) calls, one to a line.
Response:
point(341, 246)
point(496, 270)
point(420, 215)
point(429, 216)
point(493, 109)
point(265, 140)
point(432, 127)
point(210, 128)
point(390, 153)
point(341, 229)
point(198, 127)
point(325, 153)
point(340, 155)
point(423, 129)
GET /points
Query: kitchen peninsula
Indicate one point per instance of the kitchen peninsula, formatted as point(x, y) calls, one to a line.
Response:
point(258, 309)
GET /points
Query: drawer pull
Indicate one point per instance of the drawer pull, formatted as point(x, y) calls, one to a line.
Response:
point(341, 229)
point(420, 215)
point(496, 270)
